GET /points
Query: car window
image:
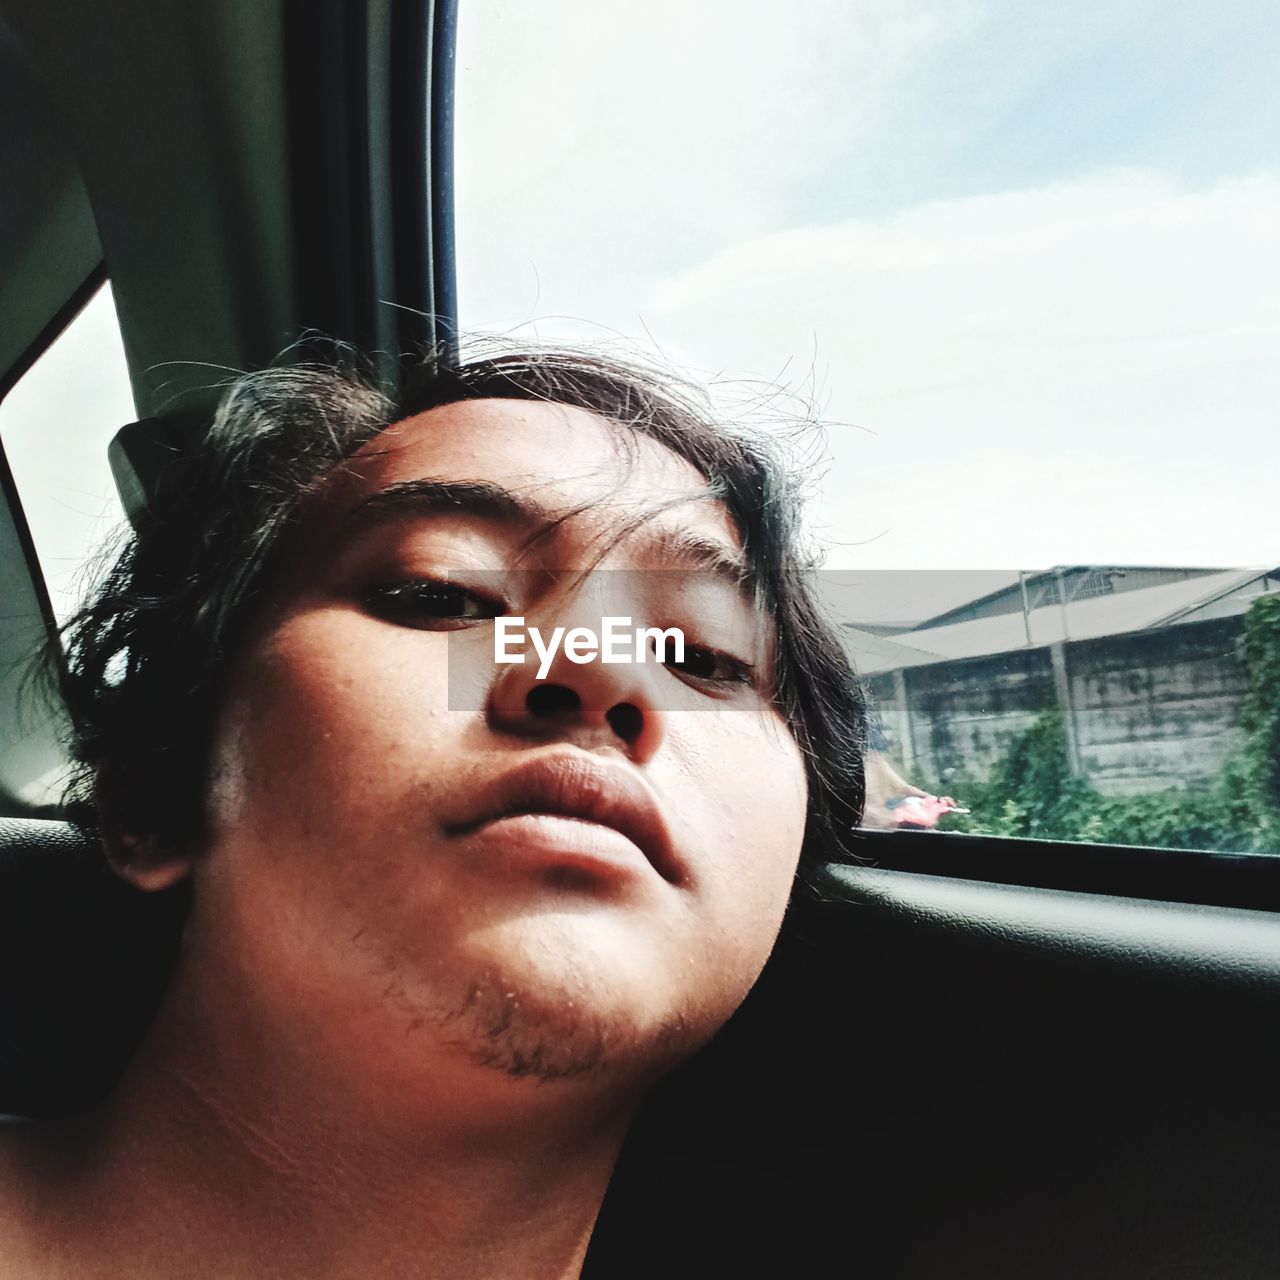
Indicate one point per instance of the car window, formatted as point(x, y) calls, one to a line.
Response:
point(1024, 263)
point(55, 425)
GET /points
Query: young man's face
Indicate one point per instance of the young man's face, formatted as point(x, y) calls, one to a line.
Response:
point(419, 855)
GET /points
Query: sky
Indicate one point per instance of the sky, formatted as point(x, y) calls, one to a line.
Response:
point(1022, 260)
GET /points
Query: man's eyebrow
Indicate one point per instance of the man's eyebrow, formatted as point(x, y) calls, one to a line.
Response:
point(485, 500)
point(691, 550)
point(428, 497)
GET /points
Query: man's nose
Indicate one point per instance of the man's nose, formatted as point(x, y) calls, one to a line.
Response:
point(592, 703)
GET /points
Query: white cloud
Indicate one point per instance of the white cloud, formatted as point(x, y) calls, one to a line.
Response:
point(1068, 370)
point(627, 137)
point(1050, 375)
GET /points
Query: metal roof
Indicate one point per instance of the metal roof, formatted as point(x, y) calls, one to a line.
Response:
point(871, 653)
point(1141, 610)
point(905, 598)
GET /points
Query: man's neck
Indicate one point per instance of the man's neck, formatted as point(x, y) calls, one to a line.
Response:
point(203, 1167)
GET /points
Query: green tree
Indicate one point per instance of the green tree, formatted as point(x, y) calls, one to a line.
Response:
point(1030, 791)
point(1249, 788)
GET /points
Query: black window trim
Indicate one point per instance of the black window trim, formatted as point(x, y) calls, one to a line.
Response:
point(1204, 877)
point(43, 341)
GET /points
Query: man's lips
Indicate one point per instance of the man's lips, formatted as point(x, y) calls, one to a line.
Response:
point(573, 784)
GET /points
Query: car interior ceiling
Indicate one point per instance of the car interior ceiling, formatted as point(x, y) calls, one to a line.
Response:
point(972, 1057)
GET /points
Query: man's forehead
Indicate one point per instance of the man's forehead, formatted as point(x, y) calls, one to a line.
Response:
point(558, 458)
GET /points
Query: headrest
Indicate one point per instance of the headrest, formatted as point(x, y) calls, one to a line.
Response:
point(84, 959)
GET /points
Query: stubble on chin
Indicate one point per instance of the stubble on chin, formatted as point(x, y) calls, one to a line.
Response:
point(499, 1027)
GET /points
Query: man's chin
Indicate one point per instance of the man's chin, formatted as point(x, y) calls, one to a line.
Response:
point(530, 1030)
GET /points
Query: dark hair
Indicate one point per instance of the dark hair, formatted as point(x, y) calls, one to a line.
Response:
point(146, 659)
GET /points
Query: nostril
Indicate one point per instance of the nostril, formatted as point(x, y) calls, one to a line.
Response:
point(546, 700)
point(626, 720)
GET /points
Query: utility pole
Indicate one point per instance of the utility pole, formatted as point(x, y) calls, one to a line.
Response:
point(1062, 689)
point(1062, 603)
point(1062, 682)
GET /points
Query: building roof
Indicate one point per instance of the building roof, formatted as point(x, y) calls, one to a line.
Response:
point(903, 599)
point(871, 653)
point(1032, 580)
point(1215, 595)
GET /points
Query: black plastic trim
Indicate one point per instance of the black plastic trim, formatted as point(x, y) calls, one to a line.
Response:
point(371, 109)
point(410, 144)
point(321, 63)
point(64, 315)
point(444, 46)
point(1203, 877)
point(13, 501)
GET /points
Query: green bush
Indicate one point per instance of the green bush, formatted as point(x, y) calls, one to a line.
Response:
point(1030, 791)
point(1251, 777)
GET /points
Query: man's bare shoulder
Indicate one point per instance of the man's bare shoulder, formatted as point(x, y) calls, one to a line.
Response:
point(21, 1253)
point(37, 1236)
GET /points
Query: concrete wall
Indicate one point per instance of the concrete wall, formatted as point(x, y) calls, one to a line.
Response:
point(1148, 710)
point(1155, 709)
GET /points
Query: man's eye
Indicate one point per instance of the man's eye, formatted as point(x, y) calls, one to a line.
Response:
point(427, 603)
point(711, 667)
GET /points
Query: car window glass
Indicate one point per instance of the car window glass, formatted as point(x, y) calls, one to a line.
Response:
point(56, 424)
point(1025, 262)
